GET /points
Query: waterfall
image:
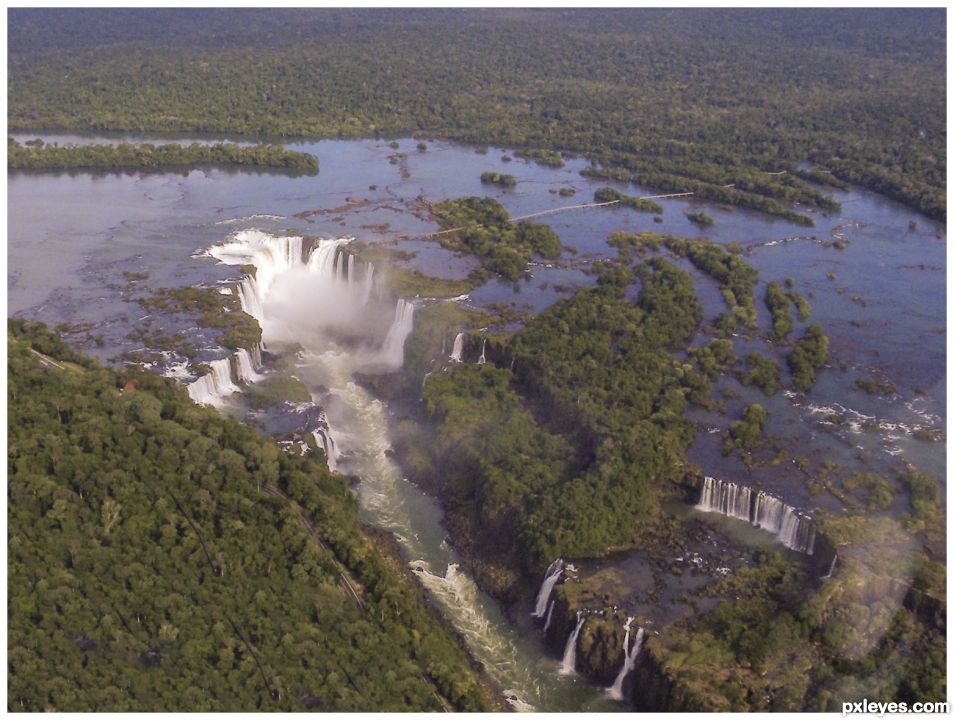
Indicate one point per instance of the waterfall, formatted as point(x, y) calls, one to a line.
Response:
point(215, 385)
point(629, 661)
point(392, 351)
point(834, 560)
point(726, 499)
point(762, 510)
point(244, 368)
point(360, 446)
point(483, 353)
point(326, 441)
point(546, 625)
point(458, 348)
point(569, 654)
point(367, 284)
point(549, 581)
point(272, 256)
point(250, 298)
point(424, 382)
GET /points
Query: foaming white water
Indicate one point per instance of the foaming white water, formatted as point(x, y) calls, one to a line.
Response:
point(392, 351)
point(546, 623)
point(171, 368)
point(257, 216)
point(549, 582)
point(856, 422)
point(568, 667)
point(270, 255)
point(213, 387)
point(458, 348)
point(516, 703)
point(322, 288)
point(246, 369)
point(629, 661)
point(389, 501)
point(326, 441)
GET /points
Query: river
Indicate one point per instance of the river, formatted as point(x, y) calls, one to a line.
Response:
point(75, 238)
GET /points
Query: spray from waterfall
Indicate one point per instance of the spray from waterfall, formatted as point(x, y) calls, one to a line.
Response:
point(325, 290)
point(549, 581)
point(569, 653)
point(762, 510)
point(629, 661)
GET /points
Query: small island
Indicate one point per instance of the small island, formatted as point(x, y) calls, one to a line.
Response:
point(501, 179)
point(35, 155)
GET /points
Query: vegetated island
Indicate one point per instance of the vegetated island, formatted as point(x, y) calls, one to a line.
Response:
point(608, 194)
point(794, 98)
point(483, 227)
point(36, 155)
point(496, 178)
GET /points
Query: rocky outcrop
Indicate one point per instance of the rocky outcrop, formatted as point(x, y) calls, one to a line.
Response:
point(600, 654)
point(930, 609)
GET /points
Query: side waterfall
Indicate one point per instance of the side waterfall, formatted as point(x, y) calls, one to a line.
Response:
point(546, 625)
point(569, 654)
point(629, 661)
point(245, 369)
point(212, 387)
point(326, 441)
point(549, 581)
point(483, 353)
point(794, 530)
point(834, 561)
point(392, 352)
point(458, 349)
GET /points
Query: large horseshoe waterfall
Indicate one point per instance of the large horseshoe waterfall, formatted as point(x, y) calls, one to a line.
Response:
point(320, 304)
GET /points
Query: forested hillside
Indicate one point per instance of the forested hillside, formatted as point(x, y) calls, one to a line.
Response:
point(707, 101)
point(164, 558)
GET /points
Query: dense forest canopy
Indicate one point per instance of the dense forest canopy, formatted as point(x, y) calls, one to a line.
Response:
point(665, 95)
point(35, 155)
